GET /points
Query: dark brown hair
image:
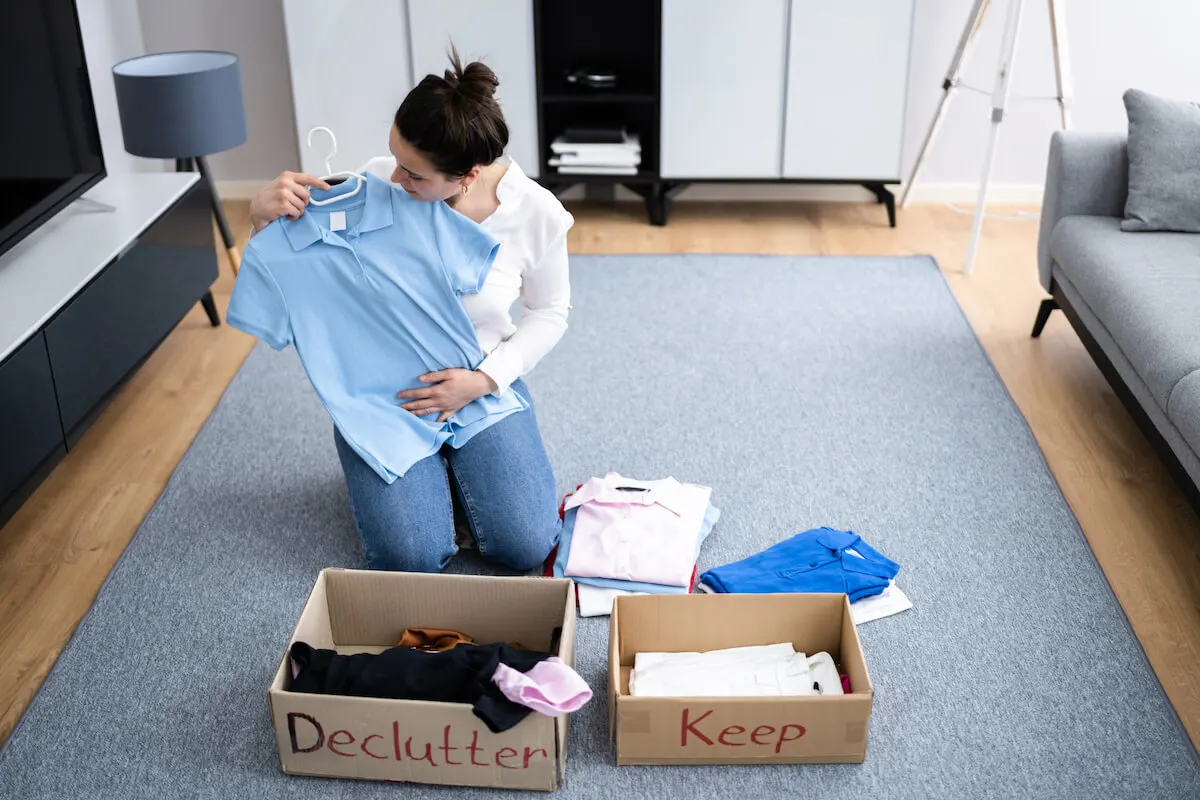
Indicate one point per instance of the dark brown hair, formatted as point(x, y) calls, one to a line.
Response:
point(454, 119)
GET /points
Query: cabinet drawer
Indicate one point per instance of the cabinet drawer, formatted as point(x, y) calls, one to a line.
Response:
point(723, 67)
point(846, 87)
point(114, 323)
point(30, 431)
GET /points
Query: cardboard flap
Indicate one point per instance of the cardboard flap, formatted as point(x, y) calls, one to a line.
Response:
point(703, 622)
point(372, 608)
point(566, 651)
point(852, 656)
point(313, 626)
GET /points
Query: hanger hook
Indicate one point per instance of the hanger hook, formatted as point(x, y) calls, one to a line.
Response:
point(333, 142)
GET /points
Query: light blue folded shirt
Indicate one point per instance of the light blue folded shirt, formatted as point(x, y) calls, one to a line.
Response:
point(711, 515)
point(368, 290)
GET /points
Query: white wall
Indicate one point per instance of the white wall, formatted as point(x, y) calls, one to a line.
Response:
point(111, 32)
point(253, 30)
point(1115, 44)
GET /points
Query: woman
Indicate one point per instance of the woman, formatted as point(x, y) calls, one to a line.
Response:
point(446, 145)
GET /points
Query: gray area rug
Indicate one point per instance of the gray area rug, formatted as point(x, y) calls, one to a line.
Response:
point(848, 392)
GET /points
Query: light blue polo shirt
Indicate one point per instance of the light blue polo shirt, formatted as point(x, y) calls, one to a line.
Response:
point(367, 289)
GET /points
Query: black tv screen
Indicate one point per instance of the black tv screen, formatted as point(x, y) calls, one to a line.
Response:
point(49, 142)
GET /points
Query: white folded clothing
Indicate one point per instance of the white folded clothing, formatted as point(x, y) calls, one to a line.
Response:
point(590, 159)
point(891, 601)
point(597, 601)
point(632, 144)
point(775, 670)
point(596, 170)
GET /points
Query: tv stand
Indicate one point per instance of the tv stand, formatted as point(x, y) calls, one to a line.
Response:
point(84, 300)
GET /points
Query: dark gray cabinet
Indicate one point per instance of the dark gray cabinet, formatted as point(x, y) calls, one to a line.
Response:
point(31, 436)
point(57, 382)
point(98, 338)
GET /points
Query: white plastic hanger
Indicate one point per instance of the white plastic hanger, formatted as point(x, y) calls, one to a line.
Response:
point(329, 173)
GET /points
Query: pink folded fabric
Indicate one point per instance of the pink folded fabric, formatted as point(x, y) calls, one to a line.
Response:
point(632, 530)
point(551, 687)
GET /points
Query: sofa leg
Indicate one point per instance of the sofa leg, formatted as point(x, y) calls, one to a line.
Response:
point(1044, 310)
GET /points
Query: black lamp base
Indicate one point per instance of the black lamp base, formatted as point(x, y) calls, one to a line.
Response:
point(235, 258)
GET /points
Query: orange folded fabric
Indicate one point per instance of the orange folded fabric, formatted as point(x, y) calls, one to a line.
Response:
point(434, 640)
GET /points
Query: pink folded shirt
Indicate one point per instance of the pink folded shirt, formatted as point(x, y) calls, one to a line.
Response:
point(632, 530)
point(551, 687)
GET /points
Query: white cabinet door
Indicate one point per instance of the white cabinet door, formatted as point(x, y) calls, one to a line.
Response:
point(723, 66)
point(497, 32)
point(350, 70)
point(847, 79)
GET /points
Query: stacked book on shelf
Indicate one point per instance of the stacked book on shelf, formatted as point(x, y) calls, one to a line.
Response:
point(596, 151)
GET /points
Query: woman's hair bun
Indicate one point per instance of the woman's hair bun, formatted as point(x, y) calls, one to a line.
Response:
point(454, 119)
point(476, 81)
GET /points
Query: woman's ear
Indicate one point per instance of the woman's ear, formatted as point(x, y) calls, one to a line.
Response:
point(470, 178)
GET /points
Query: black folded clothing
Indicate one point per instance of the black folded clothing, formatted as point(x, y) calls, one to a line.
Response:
point(461, 675)
point(581, 135)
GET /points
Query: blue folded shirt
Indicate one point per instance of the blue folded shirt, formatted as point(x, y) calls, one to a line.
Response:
point(814, 561)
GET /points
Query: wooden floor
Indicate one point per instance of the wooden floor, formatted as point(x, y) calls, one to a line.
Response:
point(57, 551)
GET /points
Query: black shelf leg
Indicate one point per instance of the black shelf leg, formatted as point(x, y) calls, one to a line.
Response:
point(210, 308)
point(656, 205)
point(884, 196)
point(207, 301)
point(235, 258)
point(1043, 316)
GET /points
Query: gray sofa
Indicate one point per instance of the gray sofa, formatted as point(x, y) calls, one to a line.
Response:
point(1132, 297)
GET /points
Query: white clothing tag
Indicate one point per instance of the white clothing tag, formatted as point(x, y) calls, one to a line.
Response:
point(337, 220)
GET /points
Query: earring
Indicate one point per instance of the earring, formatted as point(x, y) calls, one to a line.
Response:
point(465, 188)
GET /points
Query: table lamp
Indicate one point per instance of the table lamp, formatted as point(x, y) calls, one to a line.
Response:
point(183, 105)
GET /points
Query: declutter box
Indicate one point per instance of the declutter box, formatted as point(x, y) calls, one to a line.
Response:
point(737, 730)
point(355, 611)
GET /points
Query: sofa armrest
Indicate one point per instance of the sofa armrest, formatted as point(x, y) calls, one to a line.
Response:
point(1087, 173)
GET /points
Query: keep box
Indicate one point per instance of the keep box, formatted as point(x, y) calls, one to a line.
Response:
point(737, 730)
point(356, 611)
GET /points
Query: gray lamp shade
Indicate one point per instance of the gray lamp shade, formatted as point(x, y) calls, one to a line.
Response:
point(180, 105)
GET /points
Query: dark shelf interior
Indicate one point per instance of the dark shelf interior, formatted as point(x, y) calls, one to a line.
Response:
point(618, 35)
point(599, 98)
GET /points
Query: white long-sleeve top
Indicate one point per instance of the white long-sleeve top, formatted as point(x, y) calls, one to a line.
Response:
point(531, 265)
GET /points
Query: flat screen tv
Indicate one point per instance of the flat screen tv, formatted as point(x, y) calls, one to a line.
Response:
point(49, 141)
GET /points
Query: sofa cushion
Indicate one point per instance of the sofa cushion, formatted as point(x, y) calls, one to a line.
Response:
point(1183, 409)
point(1144, 287)
point(1164, 164)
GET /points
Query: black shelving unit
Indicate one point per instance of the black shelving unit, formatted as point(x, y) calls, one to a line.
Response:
point(624, 36)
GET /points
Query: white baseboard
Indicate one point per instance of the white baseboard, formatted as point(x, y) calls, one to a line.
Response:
point(964, 194)
point(923, 194)
point(1016, 194)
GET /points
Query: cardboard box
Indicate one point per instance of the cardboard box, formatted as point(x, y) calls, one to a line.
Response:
point(737, 730)
point(356, 611)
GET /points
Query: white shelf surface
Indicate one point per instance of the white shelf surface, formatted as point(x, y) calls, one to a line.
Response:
point(43, 272)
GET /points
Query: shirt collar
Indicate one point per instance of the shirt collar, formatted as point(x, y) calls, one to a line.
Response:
point(376, 198)
point(506, 187)
point(614, 488)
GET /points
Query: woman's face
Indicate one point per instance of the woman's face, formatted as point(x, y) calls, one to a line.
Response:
point(419, 178)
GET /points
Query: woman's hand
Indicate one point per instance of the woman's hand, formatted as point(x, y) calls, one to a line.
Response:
point(450, 390)
point(286, 196)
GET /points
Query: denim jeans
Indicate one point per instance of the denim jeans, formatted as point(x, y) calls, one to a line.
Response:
point(503, 481)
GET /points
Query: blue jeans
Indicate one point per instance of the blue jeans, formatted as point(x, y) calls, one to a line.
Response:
point(502, 478)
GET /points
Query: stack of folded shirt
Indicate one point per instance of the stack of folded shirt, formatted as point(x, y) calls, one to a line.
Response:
point(820, 560)
point(774, 670)
point(625, 536)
